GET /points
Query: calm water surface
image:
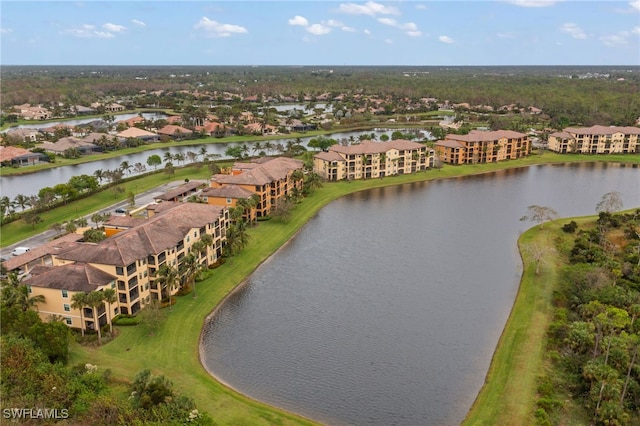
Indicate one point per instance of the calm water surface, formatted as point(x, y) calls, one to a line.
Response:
point(386, 308)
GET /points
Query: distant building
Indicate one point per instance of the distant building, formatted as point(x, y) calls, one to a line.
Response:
point(481, 146)
point(596, 140)
point(373, 160)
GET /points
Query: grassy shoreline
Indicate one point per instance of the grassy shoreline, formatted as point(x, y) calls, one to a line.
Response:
point(174, 350)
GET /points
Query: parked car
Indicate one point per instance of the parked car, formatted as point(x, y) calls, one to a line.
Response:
point(120, 212)
point(20, 250)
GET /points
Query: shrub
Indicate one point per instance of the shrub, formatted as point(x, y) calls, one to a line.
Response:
point(570, 227)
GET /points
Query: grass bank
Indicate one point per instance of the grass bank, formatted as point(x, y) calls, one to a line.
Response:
point(174, 349)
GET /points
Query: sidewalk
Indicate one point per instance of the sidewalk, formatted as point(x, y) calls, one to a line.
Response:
point(141, 199)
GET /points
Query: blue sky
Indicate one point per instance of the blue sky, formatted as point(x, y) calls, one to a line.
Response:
point(501, 32)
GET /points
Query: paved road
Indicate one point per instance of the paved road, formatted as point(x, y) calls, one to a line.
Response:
point(46, 236)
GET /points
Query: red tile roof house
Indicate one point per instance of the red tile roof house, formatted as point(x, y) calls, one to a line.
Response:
point(134, 132)
point(175, 132)
point(14, 156)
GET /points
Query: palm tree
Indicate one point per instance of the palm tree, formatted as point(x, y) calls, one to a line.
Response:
point(188, 269)
point(95, 299)
point(125, 167)
point(109, 296)
point(25, 300)
point(99, 174)
point(10, 287)
point(22, 201)
point(167, 278)
point(168, 157)
point(203, 152)
point(79, 301)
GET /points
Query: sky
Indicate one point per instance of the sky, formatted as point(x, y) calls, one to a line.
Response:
point(302, 32)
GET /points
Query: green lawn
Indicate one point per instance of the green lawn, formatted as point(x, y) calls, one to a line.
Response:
point(174, 349)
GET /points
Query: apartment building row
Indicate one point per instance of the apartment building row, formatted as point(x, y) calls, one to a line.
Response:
point(596, 140)
point(268, 179)
point(483, 146)
point(371, 159)
point(127, 262)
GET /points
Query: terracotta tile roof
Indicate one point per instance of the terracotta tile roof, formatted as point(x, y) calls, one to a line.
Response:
point(134, 132)
point(8, 153)
point(66, 143)
point(329, 156)
point(449, 143)
point(231, 191)
point(482, 135)
point(563, 134)
point(125, 221)
point(371, 147)
point(162, 231)
point(72, 277)
point(603, 130)
point(172, 129)
point(57, 246)
point(272, 170)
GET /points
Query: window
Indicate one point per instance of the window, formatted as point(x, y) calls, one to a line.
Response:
point(68, 320)
point(66, 307)
point(65, 294)
point(228, 200)
point(119, 270)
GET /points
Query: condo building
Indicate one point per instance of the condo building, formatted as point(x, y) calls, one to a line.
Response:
point(482, 146)
point(596, 140)
point(371, 159)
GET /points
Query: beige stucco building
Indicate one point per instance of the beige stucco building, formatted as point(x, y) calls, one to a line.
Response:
point(483, 146)
point(371, 159)
point(271, 179)
point(128, 261)
point(596, 140)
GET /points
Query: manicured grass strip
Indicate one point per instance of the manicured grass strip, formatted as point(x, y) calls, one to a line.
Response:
point(508, 395)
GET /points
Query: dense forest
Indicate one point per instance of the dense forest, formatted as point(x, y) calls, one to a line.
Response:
point(594, 338)
point(586, 95)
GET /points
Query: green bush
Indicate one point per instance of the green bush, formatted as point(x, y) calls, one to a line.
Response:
point(125, 320)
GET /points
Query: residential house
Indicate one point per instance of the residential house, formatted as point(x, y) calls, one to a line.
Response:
point(175, 132)
point(481, 146)
point(14, 156)
point(596, 140)
point(28, 112)
point(271, 179)
point(134, 132)
point(64, 144)
point(371, 159)
point(24, 135)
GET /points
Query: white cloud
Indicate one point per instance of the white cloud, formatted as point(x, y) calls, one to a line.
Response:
point(367, 32)
point(410, 28)
point(533, 3)
point(388, 41)
point(299, 20)
point(635, 4)
point(103, 34)
point(573, 30)
point(446, 39)
point(636, 30)
point(216, 29)
point(421, 7)
point(614, 39)
point(114, 28)
point(348, 29)
point(388, 21)
point(506, 35)
point(318, 29)
point(333, 23)
point(5, 30)
point(139, 23)
point(370, 8)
